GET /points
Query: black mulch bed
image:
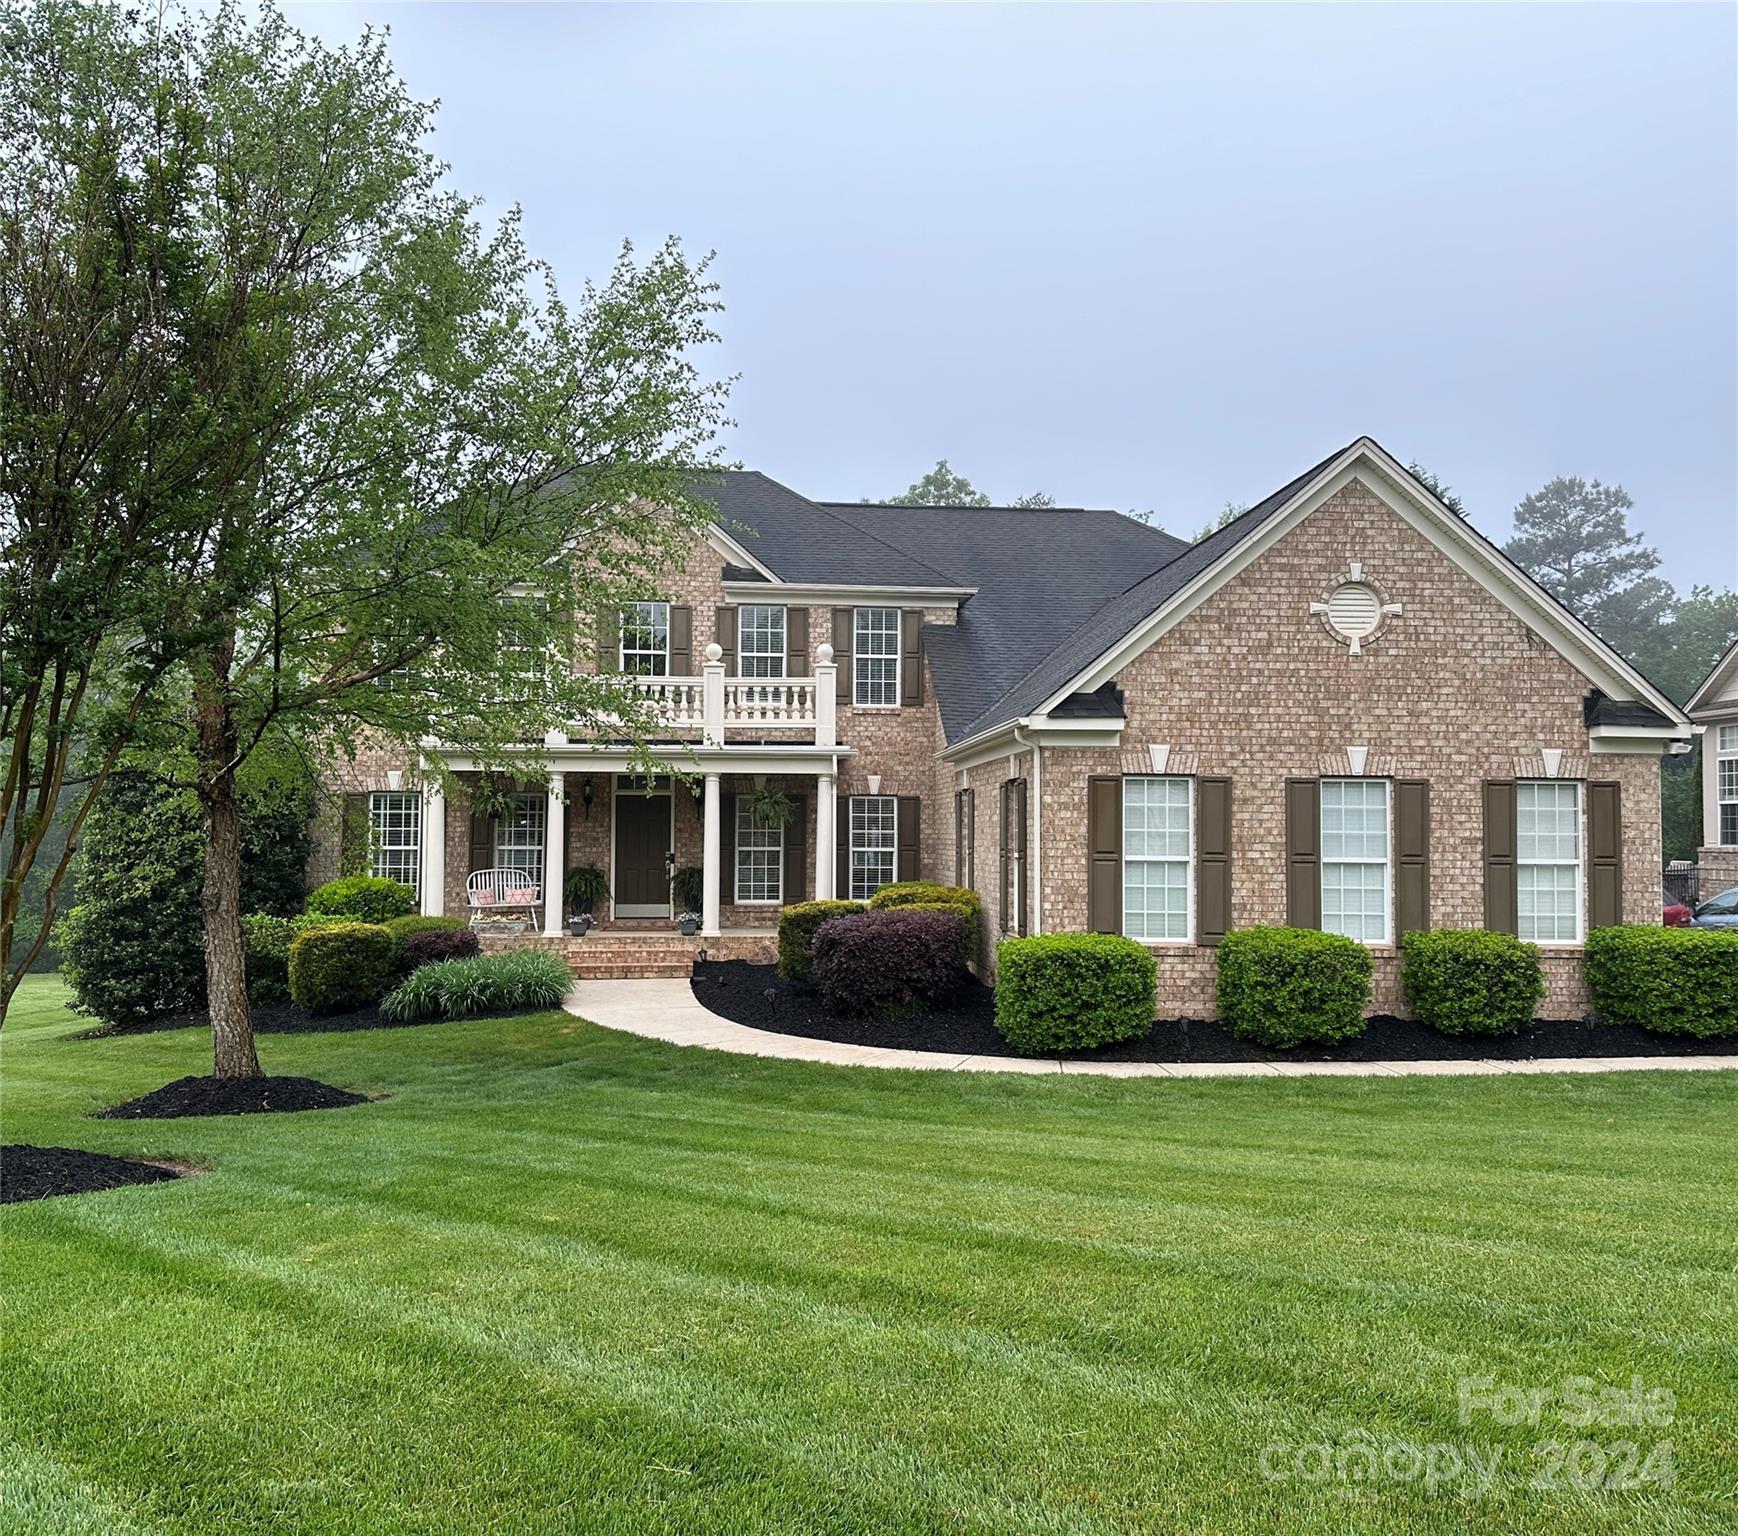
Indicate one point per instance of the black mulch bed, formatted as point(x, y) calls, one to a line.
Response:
point(36, 1173)
point(232, 1096)
point(757, 996)
point(285, 1019)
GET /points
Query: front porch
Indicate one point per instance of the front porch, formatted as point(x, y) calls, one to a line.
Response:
point(627, 951)
point(639, 832)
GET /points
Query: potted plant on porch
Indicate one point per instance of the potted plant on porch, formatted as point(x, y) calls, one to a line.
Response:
point(584, 887)
point(688, 888)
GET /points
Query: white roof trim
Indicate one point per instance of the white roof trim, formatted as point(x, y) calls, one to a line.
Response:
point(735, 553)
point(1369, 463)
point(1715, 680)
point(822, 592)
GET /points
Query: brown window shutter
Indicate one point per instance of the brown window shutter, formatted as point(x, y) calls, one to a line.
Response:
point(1501, 899)
point(842, 845)
point(911, 656)
point(1022, 843)
point(1605, 854)
point(797, 642)
point(1411, 856)
point(353, 834)
point(1303, 853)
point(482, 841)
point(609, 642)
point(843, 635)
point(1005, 854)
point(727, 848)
point(724, 632)
point(909, 864)
point(1212, 860)
point(796, 874)
point(960, 833)
point(1104, 854)
point(681, 641)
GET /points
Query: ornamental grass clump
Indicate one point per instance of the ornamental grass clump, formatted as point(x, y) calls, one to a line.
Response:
point(527, 981)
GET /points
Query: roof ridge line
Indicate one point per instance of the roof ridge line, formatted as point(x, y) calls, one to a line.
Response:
point(827, 510)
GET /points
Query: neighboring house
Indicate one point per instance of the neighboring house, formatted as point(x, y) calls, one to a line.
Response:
point(1344, 709)
point(1714, 707)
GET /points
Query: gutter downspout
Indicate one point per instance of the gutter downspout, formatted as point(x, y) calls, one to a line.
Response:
point(1036, 873)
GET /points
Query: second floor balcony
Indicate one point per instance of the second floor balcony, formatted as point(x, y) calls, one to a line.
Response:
point(716, 709)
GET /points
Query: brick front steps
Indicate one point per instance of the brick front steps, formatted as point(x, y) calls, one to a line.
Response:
point(640, 954)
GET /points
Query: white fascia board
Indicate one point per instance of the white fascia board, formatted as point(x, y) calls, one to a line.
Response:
point(1366, 462)
point(1703, 698)
point(735, 553)
point(1667, 741)
point(823, 594)
point(1028, 731)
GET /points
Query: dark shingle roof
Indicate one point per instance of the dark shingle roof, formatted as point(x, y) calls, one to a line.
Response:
point(1039, 573)
point(801, 540)
point(1597, 709)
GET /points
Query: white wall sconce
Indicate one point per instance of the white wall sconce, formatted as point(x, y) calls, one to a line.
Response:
point(1356, 757)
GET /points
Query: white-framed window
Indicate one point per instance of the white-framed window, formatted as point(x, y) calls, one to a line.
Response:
point(1548, 861)
point(646, 639)
point(875, 656)
point(519, 835)
point(521, 640)
point(874, 844)
point(1158, 847)
point(395, 836)
point(760, 640)
point(1726, 770)
point(1354, 855)
point(760, 857)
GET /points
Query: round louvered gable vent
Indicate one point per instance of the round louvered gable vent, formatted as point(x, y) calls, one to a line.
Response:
point(1354, 610)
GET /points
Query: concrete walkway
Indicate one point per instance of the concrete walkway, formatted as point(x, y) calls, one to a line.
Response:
point(667, 1010)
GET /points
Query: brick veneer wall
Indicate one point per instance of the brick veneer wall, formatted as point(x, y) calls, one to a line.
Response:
point(1456, 690)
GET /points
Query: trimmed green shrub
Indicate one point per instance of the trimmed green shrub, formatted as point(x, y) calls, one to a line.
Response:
point(1676, 981)
point(133, 948)
point(797, 926)
point(404, 927)
point(266, 950)
point(525, 981)
point(341, 966)
point(1282, 987)
point(1465, 981)
point(871, 962)
point(926, 897)
point(364, 898)
point(1073, 991)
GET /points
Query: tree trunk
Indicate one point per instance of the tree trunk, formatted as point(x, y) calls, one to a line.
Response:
point(232, 1047)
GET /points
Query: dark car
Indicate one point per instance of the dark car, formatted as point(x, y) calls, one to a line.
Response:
point(1718, 911)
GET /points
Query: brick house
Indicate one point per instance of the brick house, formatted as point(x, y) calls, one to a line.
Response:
point(1715, 708)
point(1345, 709)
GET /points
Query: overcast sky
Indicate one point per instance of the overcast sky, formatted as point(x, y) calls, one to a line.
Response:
point(1154, 257)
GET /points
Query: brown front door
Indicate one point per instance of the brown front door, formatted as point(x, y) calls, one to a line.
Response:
point(642, 840)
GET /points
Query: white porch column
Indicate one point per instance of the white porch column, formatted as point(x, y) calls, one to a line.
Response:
point(434, 849)
point(554, 856)
point(826, 697)
point(711, 854)
point(824, 836)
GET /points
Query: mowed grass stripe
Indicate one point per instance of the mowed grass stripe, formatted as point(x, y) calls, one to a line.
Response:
point(565, 1280)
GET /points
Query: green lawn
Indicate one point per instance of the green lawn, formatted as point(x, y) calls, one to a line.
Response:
point(566, 1280)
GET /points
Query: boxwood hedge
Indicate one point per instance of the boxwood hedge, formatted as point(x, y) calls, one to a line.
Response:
point(1073, 991)
point(1282, 987)
point(1466, 981)
point(1679, 981)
